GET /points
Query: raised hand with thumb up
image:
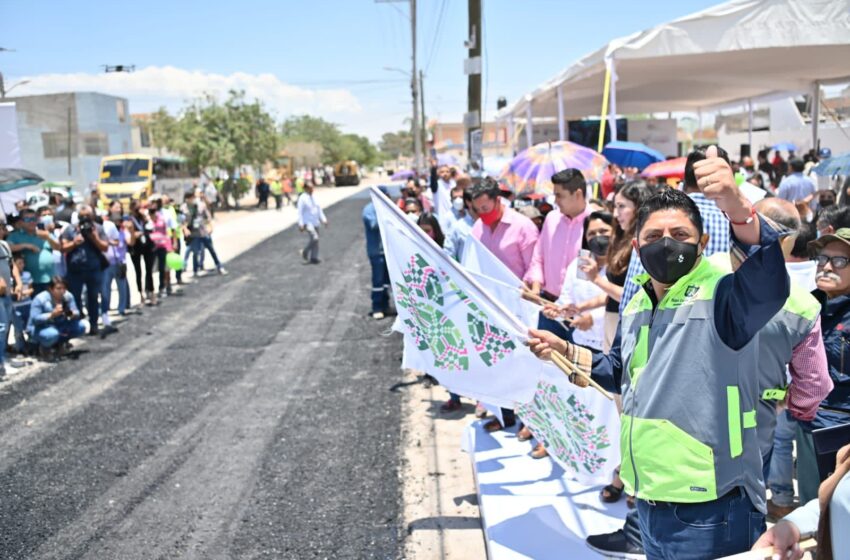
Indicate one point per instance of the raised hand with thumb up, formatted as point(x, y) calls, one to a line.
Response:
point(717, 182)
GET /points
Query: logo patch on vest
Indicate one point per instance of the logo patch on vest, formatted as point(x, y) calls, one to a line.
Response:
point(691, 291)
point(698, 489)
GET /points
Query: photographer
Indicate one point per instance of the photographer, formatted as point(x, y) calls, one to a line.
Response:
point(84, 245)
point(55, 319)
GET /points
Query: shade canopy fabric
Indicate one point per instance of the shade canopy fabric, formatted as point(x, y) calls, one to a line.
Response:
point(739, 50)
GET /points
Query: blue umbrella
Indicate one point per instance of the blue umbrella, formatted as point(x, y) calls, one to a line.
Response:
point(785, 147)
point(838, 165)
point(631, 154)
point(13, 179)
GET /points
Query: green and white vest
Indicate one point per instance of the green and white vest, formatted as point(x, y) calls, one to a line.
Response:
point(689, 401)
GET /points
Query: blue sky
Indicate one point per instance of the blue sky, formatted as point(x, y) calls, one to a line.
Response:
point(325, 57)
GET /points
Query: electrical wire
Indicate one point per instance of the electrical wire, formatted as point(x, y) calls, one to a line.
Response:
point(438, 31)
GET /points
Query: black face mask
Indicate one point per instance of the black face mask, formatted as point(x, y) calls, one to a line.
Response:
point(599, 245)
point(667, 260)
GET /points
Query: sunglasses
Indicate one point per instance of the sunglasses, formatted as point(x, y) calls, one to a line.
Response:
point(30, 220)
point(837, 262)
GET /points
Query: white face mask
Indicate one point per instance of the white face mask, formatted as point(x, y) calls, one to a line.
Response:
point(413, 217)
point(457, 203)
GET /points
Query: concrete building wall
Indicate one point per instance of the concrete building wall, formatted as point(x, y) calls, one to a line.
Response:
point(99, 125)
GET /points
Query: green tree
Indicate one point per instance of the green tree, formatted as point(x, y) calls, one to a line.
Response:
point(336, 146)
point(394, 144)
point(209, 133)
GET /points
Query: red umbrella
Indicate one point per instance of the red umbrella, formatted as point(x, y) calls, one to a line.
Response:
point(674, 168)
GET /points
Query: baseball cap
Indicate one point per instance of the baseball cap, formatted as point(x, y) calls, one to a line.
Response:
point(843, 235)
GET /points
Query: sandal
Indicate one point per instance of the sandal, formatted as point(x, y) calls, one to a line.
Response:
point(614, 493)
point(524, 434)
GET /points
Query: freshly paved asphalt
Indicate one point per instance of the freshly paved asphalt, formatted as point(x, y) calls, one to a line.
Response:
point(253, 417)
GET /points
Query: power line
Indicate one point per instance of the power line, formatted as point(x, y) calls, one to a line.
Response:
point(437, 34)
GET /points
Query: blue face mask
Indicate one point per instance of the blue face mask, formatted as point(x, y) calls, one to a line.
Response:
point(46, 220)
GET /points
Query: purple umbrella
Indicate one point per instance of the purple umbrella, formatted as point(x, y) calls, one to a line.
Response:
point(403, 174)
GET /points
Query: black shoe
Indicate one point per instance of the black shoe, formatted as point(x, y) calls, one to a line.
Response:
point(108, 330)
point(615, 545)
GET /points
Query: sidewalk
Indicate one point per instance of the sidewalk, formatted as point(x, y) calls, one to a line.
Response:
point(440, 500)
point(234, 232)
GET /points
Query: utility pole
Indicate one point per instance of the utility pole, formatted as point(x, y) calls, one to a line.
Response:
point(414, 84)
point(422, 107)
point(69, 137)
point(473, 69)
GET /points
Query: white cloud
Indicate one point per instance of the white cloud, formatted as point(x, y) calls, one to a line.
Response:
point(155, 86)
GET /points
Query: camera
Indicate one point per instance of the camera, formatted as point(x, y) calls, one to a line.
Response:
point(86, 225)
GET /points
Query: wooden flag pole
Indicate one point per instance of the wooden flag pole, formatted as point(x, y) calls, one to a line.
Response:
point(568, 367)
point(533, 298)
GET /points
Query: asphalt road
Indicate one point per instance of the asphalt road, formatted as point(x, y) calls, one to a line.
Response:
point(252, 417)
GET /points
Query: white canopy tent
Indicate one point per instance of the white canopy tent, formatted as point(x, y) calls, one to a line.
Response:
point(732, 53)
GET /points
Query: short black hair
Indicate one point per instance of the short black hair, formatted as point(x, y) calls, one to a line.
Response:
point(604, 216)
point(836, 216)
point(806, 233)
point(57, 280)
point(411, 200)
point(669, 199)
point(488, 186)
point(27, 211)
point(698, 154)
point(797, 165)
point(570, 179)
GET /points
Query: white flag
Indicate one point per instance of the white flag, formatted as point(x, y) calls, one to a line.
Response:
point(460, 327)
point(580, 428)
point(499, 279)
point(467, 339)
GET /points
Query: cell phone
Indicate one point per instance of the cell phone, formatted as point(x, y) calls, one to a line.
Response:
point(583, 254)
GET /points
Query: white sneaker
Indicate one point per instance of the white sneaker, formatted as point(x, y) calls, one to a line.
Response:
point(378, 315)
point(222, 271)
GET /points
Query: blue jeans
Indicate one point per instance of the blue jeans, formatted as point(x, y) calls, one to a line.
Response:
point(380, 283)
point(60, 332)
point(725, 526)
point(780, 480)
point(197, 247)
point(93, 281)
point(5, 321)
point(20, 319)
point(109, 275)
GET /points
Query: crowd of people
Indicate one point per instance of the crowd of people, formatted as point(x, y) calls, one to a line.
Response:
point(60, 265)
point(725, 294)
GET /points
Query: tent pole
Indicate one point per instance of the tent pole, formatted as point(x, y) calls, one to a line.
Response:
point(815, 113)
point(561, 132)
point(699, 127)
point(750, 123)
point(612, 103)
point(606, 89)
point(529, 134)
point(511, 136)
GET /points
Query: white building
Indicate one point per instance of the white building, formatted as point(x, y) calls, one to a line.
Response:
point(63, 136)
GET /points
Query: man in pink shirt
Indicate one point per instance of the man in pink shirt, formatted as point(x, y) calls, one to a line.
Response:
point(505, 232)
point(511, 237)
point(559, 241)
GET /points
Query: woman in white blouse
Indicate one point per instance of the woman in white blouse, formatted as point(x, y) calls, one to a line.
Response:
point(589, 325)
